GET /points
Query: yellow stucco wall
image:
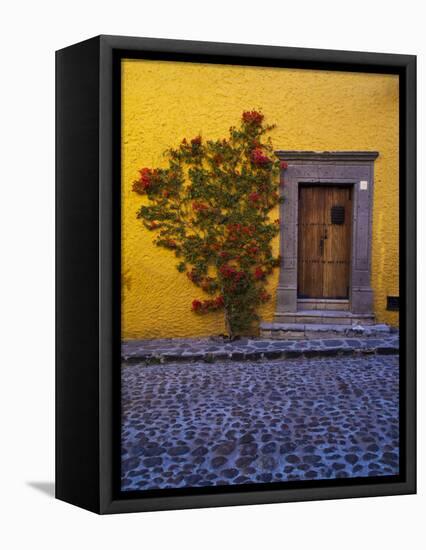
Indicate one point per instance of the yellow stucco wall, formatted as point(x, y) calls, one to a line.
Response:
point(314, 110)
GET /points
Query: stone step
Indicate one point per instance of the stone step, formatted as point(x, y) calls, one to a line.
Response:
point(329, 317)
point(322, 304)
point(254, 349)
point(295, 331)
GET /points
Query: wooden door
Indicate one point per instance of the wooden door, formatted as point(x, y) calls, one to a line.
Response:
point(325, 227)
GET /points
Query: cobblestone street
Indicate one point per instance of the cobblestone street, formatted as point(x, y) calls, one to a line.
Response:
point(233, 422)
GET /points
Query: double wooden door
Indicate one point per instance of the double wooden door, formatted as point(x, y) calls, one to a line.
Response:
point(324, 241)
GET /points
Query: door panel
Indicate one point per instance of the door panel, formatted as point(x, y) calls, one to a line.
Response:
point(338, 244)
point(324, 243)
point(311, 229)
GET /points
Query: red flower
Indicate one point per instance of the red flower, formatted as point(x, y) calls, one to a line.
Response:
point(220, 301)
point(208, 305)
point(264, 296)
point(196, 305)
point(145, 181)
point(283, 165)
point(196, 141)
point(227, 271)
point(145, 173)
point(258, 158)
point(254, 197)
point(239, 275)
point(252, 117)
point(259, 273)
point(234, 230)
point(248, 229)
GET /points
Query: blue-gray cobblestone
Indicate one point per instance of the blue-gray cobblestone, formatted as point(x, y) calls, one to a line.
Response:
point(199, 424)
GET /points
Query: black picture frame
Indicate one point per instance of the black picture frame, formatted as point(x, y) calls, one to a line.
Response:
point(88, 270)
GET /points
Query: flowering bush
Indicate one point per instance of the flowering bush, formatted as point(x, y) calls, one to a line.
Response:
point(211, 207)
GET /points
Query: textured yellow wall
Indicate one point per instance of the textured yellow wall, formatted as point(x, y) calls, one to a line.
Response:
point(314, 110)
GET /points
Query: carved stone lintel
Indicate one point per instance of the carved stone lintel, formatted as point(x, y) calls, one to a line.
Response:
point(327, 156)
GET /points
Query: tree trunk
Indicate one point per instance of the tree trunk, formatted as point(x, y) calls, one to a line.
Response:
point(228, 326)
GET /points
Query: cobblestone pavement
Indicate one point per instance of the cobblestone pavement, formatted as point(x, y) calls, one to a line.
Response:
point(198, 424)
point(210, 349)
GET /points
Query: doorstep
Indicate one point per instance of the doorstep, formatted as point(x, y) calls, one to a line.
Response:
point(284, 331)
point(325, 316)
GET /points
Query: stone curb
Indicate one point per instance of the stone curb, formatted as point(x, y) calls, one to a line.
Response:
point(338, 351)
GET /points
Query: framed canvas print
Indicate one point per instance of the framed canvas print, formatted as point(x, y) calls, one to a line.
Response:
point(235, 274)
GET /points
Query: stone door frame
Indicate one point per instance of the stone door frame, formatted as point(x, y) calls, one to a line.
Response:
point(354, 168)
